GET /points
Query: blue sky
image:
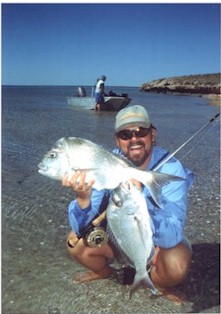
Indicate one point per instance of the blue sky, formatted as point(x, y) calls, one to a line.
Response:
point(74, 44)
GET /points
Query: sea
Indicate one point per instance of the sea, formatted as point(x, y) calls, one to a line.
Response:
point(44, 111)
point(34, 117)
point(36, 269)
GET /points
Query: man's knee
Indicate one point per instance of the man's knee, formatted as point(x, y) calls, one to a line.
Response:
point(178, 268)
point(170, 266)
point(178, 262)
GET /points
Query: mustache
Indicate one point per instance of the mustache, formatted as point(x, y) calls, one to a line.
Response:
point(140, 143)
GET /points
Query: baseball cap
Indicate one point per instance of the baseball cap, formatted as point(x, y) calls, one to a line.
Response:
point(130, 116)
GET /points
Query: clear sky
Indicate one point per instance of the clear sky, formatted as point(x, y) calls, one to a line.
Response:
point(74, 44)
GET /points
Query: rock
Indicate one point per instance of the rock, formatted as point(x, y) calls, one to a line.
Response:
point(192, 84)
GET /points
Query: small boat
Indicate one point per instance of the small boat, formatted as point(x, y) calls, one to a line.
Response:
point(112, 102)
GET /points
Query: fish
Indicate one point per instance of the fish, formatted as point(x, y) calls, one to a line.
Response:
point(70, 154)
point(130, 230)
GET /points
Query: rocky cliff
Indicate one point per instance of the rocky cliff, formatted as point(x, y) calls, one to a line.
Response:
point(203, 84)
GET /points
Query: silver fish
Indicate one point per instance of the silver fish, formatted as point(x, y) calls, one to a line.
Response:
point(70, 154)
point(130, 225)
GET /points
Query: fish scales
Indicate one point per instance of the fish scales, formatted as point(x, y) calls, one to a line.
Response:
point(131, 226)
point(70, 154)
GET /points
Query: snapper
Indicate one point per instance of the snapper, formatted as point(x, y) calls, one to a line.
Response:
point(70, 154)
point(130, 230)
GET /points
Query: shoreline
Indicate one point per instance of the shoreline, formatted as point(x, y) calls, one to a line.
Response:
point(201, 85)
point(214, 99)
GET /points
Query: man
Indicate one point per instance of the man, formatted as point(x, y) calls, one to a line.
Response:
point(99, 93)
point(135, 138)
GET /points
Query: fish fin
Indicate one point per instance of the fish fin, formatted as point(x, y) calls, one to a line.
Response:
point(154, 181)
point(146, 281)
point(159, 180)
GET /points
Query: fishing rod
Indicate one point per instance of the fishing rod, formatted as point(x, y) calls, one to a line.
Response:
point(94, 233)
point(184, 144)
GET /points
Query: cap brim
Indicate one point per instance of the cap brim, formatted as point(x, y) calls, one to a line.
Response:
point(132, 124)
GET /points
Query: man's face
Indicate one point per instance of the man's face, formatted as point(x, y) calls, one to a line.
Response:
point(137, 149)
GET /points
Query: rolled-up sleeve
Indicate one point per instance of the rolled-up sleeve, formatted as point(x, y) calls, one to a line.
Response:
point(79, 218)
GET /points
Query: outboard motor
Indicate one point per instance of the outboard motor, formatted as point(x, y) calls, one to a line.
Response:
point(81, 92)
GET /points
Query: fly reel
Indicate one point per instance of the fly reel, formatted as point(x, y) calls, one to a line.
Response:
point(97, 237)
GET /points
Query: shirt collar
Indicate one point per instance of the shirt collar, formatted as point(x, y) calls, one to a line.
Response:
point(158, 154)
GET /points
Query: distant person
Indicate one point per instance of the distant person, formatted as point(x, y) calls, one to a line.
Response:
point(99, 93)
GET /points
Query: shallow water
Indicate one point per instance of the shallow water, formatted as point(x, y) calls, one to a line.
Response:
point(36, 268)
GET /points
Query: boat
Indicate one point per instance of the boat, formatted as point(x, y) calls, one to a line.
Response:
point(112, 102)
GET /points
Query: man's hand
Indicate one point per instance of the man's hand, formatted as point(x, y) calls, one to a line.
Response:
point(80, 187)
point(137, 184)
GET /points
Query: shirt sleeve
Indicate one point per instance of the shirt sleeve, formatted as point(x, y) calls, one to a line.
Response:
point(79, 218)
point(169, 221)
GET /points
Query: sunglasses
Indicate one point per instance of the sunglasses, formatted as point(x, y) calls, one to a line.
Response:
point(128, 134)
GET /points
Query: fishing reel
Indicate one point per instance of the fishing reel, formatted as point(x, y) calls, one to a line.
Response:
point(96, 237)
point(94, 233)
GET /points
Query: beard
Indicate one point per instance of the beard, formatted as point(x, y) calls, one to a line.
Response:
point(138, 161)
point(139, 158)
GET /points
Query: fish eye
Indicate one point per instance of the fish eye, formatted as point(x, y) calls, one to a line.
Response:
point(52, 154)
point(117, 201)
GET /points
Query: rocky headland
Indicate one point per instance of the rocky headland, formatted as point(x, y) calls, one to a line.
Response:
point(208, 85)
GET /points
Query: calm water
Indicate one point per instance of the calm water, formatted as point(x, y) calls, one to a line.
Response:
point(44, 111)
point(36, 270)
point(33, 118)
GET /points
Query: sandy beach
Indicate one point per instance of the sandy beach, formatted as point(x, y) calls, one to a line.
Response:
point(37, 271)
point(214, 100)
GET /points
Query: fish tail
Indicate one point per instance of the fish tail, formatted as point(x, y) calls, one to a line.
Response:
point(146, 281)
point(159, 180)
point(154, 181)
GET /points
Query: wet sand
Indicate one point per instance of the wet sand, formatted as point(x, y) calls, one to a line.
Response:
point(37, 272)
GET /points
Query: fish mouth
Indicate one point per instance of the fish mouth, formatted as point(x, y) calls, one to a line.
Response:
point(126, 186)
point(42, 168)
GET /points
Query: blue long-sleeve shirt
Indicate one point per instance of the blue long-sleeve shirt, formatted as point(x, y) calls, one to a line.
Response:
point(168, 221)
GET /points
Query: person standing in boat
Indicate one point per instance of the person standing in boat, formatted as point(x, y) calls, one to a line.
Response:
point(99, 93)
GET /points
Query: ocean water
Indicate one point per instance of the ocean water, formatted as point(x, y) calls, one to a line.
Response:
point(33, 118)
point(44, 110)
point(36, 269)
